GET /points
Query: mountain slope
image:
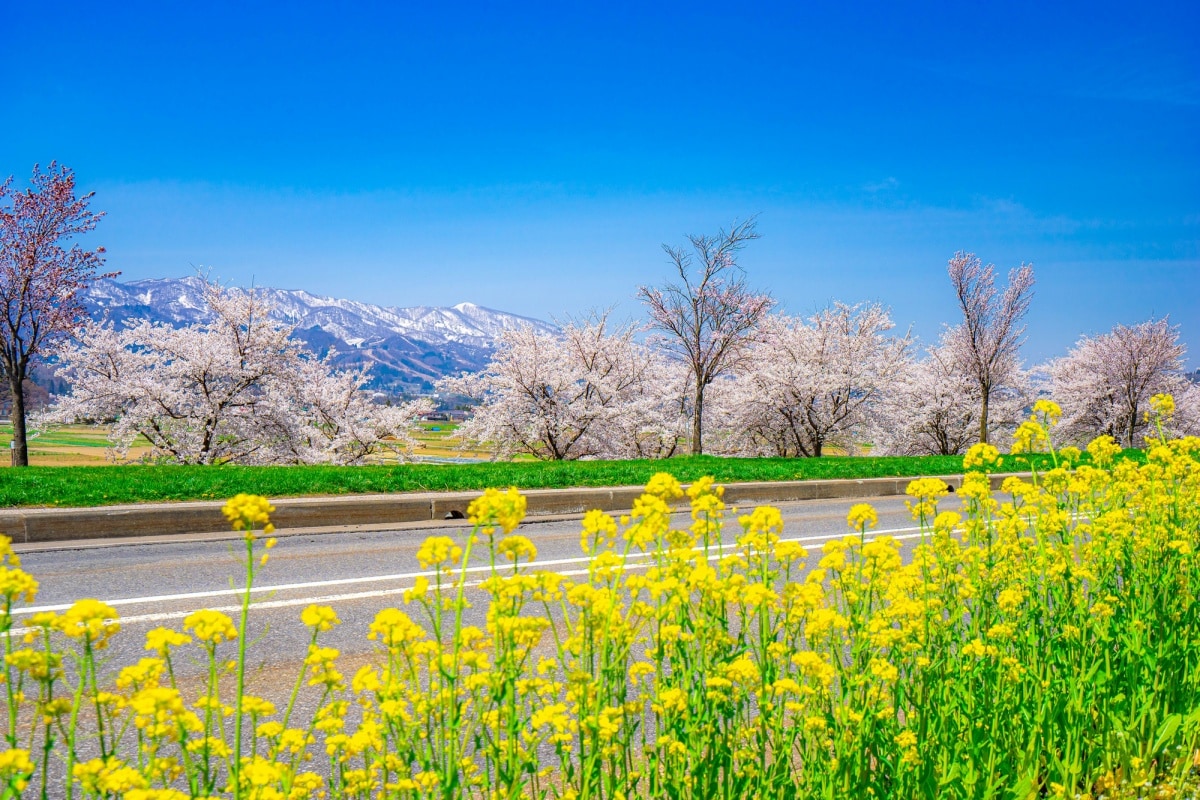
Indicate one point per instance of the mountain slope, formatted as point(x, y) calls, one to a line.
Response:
point(407, 348)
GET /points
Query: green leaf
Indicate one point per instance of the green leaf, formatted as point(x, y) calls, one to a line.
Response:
point(1167, 731)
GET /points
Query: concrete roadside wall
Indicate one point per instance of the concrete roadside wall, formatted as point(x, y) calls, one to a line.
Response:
point(158, 519)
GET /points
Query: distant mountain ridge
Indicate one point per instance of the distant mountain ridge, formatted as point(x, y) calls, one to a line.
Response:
point(409, 348)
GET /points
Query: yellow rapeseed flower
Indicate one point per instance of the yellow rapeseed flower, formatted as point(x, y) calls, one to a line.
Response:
point(1030, 437)
point(37, 664)
point(109, 776)
point(156, 794)
point(598, 528)
point(91, 620)
point(705, 486)
point(161, 640)
point(210, 627)
point(1163, 405)
point(946, 521)
point(926, 491)
point(322, 618)
point(248, 512)
point(981, 456)
point(664, 486)
point(438, 550)
point(651, 518)
point(16, 768)
point(257, 706)
point(927, 488)
point(1102, 449)
point(976, 486)
point(394, 628)
point(17, 584)
point(495, 508)
point(1050, 411)
point(742, 671)
point(515, 548)
point(862, 516)
point(141, 675)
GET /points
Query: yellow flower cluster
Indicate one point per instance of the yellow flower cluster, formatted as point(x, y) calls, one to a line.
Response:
point(320, 618)
point(862, 517)
point(1163, 405)
point(665, 487)
point(598, 531)
point(981, 456)
point(1061, 614)
point(15, 583)
point(16, 768)
point(91, 620)
point(249, 512)
point(210, 627)
point(926, 491)
point(161, 640)
point(495, 508)
point(438, 551)
point(515, 548)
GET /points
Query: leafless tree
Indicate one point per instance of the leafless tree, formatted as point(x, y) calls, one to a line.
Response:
point(709, 317)
point(985, 346)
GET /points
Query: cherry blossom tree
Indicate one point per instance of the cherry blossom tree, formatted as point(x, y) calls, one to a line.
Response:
point(985, 346)
point(932, 408)
point(709, 318)
point(812, 383)
point(234, 389)
point(590, 392)
point(41, 279)
point(1104, 384)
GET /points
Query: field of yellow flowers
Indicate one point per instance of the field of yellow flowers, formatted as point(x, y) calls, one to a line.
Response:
point(1043, 643)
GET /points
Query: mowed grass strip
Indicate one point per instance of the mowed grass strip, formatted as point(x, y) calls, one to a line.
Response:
point(136, 483)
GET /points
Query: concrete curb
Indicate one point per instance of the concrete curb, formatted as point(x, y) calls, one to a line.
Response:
point(25, 526)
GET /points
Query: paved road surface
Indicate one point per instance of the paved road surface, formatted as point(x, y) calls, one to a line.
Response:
point(357, 573)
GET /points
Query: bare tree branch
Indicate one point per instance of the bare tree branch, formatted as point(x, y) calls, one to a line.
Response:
point(986, 345)
point(710, 316)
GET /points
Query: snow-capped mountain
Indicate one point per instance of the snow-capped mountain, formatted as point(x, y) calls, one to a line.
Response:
point(408, 348)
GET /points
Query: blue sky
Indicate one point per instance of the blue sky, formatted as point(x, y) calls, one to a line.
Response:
point(534, 157)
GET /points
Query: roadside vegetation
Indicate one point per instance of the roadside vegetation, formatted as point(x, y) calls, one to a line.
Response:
point(1040, 644)
point(145, 483)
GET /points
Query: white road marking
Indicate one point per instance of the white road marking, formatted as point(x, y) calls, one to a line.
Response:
point(641, 563)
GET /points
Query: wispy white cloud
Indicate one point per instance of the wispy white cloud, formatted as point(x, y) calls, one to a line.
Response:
point(884, 185)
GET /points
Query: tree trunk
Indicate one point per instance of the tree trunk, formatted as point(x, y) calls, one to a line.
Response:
point(983, 419)
point(1133, 418)
point(697, 420)
point(20, 449)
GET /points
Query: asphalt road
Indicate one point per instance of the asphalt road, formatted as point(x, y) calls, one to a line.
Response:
point(357, 573)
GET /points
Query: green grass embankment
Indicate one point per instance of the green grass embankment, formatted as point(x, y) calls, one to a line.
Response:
point(131, 483)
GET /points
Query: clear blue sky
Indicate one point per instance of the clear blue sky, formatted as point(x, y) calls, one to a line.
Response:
point(534, 157)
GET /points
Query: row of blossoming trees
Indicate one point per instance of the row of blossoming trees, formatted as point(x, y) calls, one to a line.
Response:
point(723, 373)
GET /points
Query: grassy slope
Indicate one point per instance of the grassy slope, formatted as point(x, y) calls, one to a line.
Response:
point(91, 486)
